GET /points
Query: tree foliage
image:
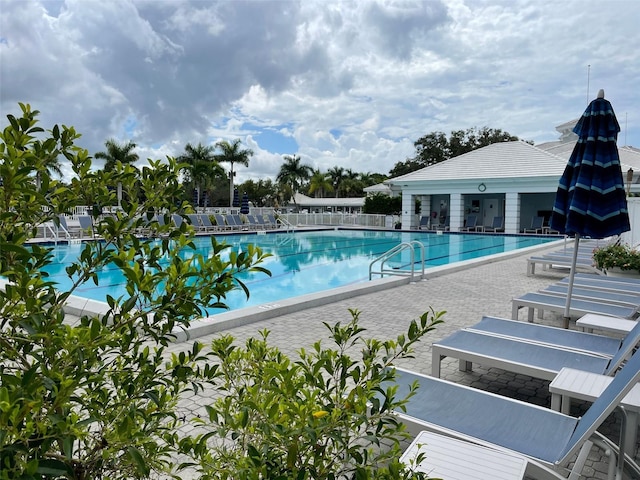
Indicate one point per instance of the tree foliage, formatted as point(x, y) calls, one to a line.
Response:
point(117, 152)
point(95, 398)
point(379, 203)
point(327, 415)
point(98, 397)
point(435, 147)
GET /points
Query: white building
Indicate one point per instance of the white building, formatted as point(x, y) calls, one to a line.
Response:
point(515, 180)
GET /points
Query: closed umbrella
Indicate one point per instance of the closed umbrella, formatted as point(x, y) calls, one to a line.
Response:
point(244, 209)
point(591, 200)
point(236, 198)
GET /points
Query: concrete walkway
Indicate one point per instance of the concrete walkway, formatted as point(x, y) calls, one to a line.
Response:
point(466, 295)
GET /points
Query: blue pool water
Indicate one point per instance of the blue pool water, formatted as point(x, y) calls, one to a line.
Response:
point(310, 261)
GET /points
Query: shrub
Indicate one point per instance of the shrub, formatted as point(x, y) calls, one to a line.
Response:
point(99, 397)
point(619, 255)
point(327, 415)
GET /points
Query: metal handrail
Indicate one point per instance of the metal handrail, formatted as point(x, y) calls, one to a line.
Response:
point(382, 259)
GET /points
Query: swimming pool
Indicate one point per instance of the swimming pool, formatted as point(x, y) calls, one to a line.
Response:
point(305, 262)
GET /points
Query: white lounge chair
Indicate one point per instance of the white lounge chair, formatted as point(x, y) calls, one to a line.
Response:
point(544, 438)
point(522, 356)
point(564, 261)
point(554, 336)
point(610, 296)
point(577, 308)
point(603, 282)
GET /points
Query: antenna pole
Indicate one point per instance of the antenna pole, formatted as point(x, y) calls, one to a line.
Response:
point(626, 115)
point(588, 75)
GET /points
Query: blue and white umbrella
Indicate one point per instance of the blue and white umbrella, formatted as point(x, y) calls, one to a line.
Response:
point(591, 200)
point(244, 209)
point(236, 198)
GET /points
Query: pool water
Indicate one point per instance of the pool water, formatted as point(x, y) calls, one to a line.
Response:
point(310, 261)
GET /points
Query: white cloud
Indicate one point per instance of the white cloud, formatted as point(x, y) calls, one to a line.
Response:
point(353, 83)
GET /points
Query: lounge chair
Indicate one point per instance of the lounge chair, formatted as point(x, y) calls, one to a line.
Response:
point(578, 307)
point(442, 226)
point(271, 220)
point(67, 230)
point(613, 297)
point(236, 221)
point(471, 224)
point(537, 225)
point(525, 357)
point(177, 220)
point(252, 223)
point(86, 225)
point(194, 220)
point(539, 435)
point(605, 282)
point(425, 223)
point(582, 263)
point(553, 336)
point(496, 226)
point(262, 222)
point(205, 221)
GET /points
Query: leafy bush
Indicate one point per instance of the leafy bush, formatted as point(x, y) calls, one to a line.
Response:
point(94, 399)
point(99, 397)
point(617, 254)
point(327, 415)
point(382, 204)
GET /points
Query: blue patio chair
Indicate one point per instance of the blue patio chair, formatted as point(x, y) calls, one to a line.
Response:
point(528, 351)
point(497, 225)
point(537, 224)
point(536, 434)
point(471, 224)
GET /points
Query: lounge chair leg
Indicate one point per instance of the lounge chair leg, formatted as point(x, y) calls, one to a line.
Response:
point(580, 461)
point(436, 358)
point(464, 366)
point(531, 268)
point(530, 311)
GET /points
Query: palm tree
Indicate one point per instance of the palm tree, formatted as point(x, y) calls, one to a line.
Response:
point(202, 166)
point(319, 184)
point(232, 153)
point(293, 173)
point(337, 176)
point(117, 152)
point(50, 164)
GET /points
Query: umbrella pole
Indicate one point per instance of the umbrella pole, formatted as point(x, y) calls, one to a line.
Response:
point(572, 274)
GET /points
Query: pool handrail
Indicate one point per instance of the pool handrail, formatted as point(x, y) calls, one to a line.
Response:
point(392, 252)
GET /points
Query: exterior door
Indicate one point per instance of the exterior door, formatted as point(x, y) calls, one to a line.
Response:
point(490, 209)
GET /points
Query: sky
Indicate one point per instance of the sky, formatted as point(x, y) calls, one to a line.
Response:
point(349, 84)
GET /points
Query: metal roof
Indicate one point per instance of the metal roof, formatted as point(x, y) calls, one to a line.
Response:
point(516, 159)
point(304, 201)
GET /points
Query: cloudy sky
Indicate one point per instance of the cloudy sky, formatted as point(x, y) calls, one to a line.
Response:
point(340, 83)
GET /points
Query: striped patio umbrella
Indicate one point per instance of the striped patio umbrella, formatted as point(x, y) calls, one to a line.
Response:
point(590, 201)
point(244, 209)
point(236, 198)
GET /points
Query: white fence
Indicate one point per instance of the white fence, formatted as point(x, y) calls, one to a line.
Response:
point(633, 237)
